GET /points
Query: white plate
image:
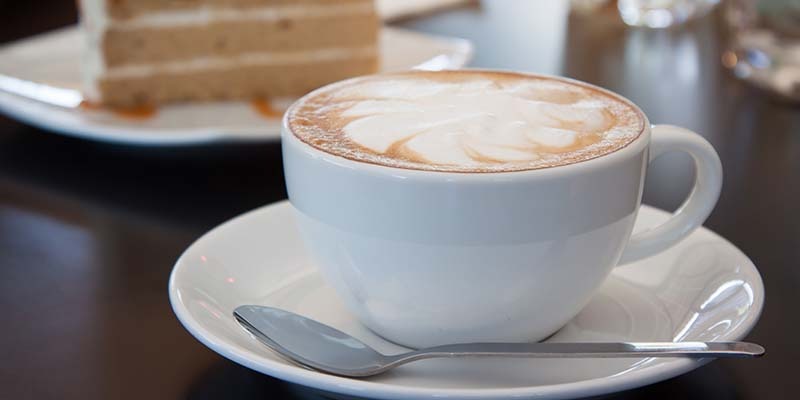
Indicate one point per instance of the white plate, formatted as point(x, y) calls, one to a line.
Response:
point(702, 289)
point(54, 59)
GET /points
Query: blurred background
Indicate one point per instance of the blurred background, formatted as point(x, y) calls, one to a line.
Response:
point(89, 231)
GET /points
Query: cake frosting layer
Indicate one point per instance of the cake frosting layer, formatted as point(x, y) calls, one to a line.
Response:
point(122, 9)
point(242, 60)
point(206, 15)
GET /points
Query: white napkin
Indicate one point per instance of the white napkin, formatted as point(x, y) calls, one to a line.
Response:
point(395, 9)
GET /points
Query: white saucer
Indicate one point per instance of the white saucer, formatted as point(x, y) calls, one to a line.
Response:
point(54, 59)
point(702, 289)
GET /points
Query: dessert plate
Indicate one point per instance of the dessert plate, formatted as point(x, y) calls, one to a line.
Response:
point(47, 67)
point(702, 289)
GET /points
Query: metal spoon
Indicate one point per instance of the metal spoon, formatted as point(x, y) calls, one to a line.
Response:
point(320, 347)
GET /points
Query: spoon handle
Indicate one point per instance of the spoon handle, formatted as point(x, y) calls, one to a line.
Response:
point(594, 350)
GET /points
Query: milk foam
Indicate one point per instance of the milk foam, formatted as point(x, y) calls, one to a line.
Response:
point(465, 121)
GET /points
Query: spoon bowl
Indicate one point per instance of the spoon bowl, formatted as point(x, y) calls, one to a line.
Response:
point(310, 343)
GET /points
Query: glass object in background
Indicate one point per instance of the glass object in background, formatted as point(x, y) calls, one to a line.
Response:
point(662, 13)
point(764, 44)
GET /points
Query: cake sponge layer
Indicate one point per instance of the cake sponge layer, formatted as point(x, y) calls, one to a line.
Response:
point(266, 81)
point(231, 38)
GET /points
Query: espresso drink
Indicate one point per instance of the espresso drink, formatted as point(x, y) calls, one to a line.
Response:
point(465, 121)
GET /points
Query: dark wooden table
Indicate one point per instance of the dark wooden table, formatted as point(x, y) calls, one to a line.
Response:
point(89, 231)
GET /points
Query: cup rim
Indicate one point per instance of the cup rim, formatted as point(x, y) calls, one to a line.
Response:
point(632, 148)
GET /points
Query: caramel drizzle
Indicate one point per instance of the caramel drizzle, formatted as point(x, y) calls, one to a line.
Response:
point(265, 108)
point(137, 112)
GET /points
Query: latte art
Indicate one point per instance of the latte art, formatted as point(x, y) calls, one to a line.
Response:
point(464, 121)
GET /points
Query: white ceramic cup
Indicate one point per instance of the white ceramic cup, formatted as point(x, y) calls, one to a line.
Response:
point(426, 258)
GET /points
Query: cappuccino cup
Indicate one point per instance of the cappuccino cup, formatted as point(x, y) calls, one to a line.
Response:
point(477, 205)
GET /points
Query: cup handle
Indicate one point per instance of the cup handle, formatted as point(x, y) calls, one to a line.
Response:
point(697, 206)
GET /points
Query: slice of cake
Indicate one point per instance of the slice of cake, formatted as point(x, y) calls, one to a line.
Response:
point(158, 51)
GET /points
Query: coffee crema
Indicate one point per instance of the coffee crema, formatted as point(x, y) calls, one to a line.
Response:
point(465, 121)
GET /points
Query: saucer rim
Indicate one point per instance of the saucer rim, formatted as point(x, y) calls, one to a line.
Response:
point(357, 387)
